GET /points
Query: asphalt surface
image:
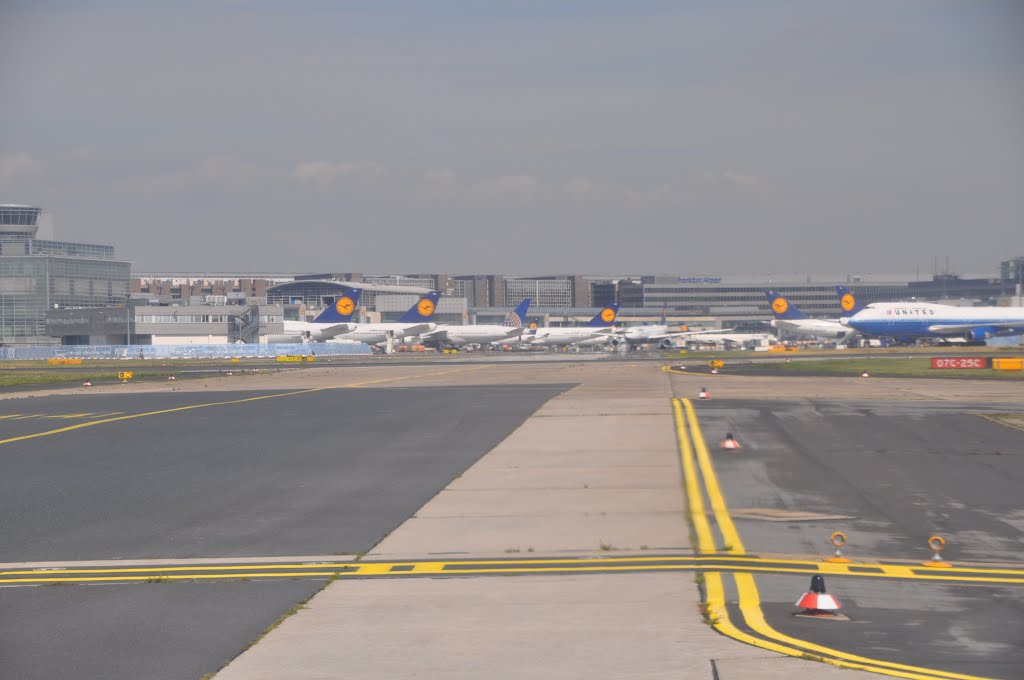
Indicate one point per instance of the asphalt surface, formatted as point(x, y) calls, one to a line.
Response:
point(897, 473)
point(313, 473)
point(160, 631)
point(323, 472)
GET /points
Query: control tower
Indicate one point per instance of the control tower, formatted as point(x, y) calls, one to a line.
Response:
point(19, 221)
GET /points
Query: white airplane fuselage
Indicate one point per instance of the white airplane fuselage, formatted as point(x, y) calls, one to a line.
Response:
point(376, 333)
point(562, 337)
point(923, 319)
point(482, 334)
point(308, 331)
point(819, 328)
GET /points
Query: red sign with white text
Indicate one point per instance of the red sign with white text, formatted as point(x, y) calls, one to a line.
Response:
point(959, 362)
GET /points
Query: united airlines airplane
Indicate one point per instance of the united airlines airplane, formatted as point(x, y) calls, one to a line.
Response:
point(928, 320)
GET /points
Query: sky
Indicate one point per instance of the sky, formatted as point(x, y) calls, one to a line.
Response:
point(535, 136)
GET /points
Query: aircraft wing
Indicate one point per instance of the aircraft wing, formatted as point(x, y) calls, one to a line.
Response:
point(953, 329)
point(336, 329)
point(436, 334)
point(416, 329)
point(685, 334)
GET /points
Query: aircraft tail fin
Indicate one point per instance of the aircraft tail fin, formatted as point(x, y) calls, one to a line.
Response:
point(423, 310)
point(343, 309)
point(848, 301)
point(606, 317)
point(517, 317)
point(783, 308)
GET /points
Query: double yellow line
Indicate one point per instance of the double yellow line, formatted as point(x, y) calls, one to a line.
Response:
point(694, 454)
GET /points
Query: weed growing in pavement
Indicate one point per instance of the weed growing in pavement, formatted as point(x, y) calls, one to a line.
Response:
point(707, 615)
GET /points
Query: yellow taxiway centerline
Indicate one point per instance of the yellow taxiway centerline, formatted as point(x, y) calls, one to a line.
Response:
point(190, 407)
point(749, 598)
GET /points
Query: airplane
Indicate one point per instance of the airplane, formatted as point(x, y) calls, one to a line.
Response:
point(730, 340)
point(414, 322)
point(912, 320)
point(596, 330)
point(847, 302)
point(788, 317)
point(459, 336)
point(330, 323)
point(633, 336)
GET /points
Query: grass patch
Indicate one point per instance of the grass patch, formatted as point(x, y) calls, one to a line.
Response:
point(1014, 420)
point(892, 367)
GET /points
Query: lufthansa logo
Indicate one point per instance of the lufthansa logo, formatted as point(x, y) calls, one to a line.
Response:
point(425, 307)
point(607, 315)
point(847, 302)
point(533, 325)
point(344, 306)
point(779, 306)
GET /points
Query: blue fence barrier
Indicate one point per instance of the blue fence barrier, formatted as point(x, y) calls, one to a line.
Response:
point(242, 351)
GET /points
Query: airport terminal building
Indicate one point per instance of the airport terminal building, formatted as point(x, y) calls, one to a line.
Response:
point(40, 275)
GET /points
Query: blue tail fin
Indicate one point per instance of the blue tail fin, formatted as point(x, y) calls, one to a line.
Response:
point(517, 317)
point(343, 308)
point(423, 309)
point(848, 301)
point(783, 308)
point(606, 317)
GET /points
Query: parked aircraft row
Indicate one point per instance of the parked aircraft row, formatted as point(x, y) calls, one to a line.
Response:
point(415, 326)
point(905, 321)
point(335, 322)
point(901, 320)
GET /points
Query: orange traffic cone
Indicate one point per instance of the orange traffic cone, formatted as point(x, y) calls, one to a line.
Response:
point(704, 394)
point(729, 442)
point(817, 602)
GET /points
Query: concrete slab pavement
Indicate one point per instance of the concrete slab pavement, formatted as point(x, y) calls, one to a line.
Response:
point(533, 494)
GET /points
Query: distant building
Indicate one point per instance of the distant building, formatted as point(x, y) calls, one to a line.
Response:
point(38, 275)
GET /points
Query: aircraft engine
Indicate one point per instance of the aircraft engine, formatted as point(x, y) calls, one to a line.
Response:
point(665, 343)
point(976, 334)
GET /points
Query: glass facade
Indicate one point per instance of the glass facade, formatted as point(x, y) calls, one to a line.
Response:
point(39, 275)
point(814, 299)
point(542, 292)
point(30, 285)
point(312, 294)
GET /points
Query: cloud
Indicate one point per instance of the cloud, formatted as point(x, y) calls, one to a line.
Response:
point(506, 186)
point(220, 173)
point(18, 165)
point(324, 173)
